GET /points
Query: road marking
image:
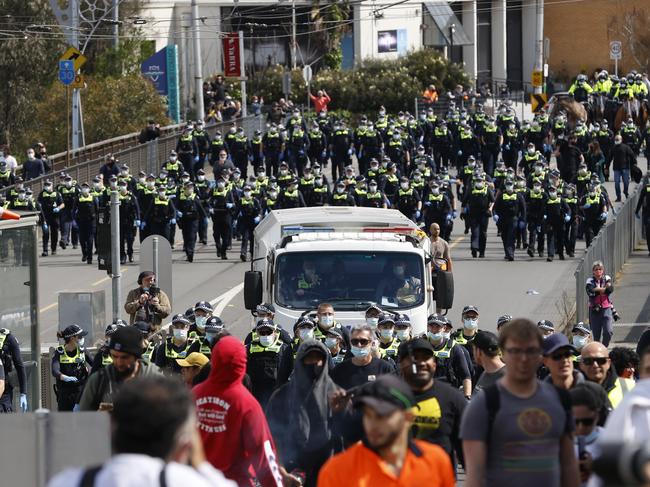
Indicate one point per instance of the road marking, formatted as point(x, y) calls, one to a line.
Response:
point(456, 242)
point(107, 278)
point(48, 307)
point(227, 297)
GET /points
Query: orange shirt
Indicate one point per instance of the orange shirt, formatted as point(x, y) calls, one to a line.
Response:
point(430, 95)
point(425, 465)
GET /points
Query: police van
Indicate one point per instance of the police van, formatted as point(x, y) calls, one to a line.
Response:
point(350, 257)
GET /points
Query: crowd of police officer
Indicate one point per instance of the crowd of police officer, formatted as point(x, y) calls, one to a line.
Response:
point(467, 164)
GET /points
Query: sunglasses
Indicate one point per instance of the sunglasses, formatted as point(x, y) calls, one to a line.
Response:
point(589, 361)
point(561, 356)
point(360, 342)
point(585, 421)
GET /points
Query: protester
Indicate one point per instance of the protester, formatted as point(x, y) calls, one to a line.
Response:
point(147, 303)
point(587, 405)
point(320, 101)
point(488, 358)
point(519, 410)
point(387, 456)
point(558, 359)
point(154, 440)
point(306, 441)
point(191, 366)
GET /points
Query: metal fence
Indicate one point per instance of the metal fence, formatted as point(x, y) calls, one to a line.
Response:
point(139, 157)
point(613, 245)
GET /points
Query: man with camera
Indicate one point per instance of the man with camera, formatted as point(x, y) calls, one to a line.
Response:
point(147, 303)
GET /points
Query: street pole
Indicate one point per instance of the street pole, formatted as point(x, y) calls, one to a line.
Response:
point(198, 68)
point(116, 275)
point(76, 94)
point(116, 27)
point(539, 41)
point(242, 73)
point(452, 30)
point(67, 126)
point(186, 23)
point(293, 34)
point(155, 255)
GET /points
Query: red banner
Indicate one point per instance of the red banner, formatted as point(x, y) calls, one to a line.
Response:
point(231, 59)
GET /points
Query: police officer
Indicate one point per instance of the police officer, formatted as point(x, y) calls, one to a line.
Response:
point(217, 145)
point(303, 330)
point(12, 359)
point(239, 148)
point(341, 147)
point(556, 215)
point(86, 207)
point(204, 343)
point(6, 176)
point(250, 212)
point(594, 212)
point(341, 197)
point(202, 139)
point(336, 346)
point(580, 89)
point(201, 312)
point(571, 227)
point(273, 145)
point(70, 367)
point(186, 148)
point(160, 215)
point(374, 198)
point(103, 356)
point(297, 147)
point(437, 207)
point(409, 201)
point(51, 204)
point(451, 362)
point(270, 360)
point(291, 197)
point(442, 143)
point(509, 210)
point(69, 193)
point(221, 208)
point(477, 206)
point(388, 343)
point(175, 346)
point(189, 212)
point(491, 141)
point(320, 194)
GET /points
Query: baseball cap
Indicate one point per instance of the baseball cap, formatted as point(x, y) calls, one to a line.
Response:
point(203, 306)
point(264, 309)
point(554, 342)
point(195, 359)
point(581, 328)
point(127, 339)
point(72, 331)
point(410, 346)
point(385, 395)
point(265, 323)
point(385, 319)
point(486, 341)
point(470, 308)
point(546, 325)
point(179, 318)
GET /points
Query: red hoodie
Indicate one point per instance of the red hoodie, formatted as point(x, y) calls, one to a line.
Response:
point(233, 428)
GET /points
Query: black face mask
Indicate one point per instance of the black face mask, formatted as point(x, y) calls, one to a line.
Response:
point(313, 371)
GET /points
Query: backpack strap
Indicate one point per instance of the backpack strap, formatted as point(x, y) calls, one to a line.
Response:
point(492, 404)
point(89, 476)
point(162, 479)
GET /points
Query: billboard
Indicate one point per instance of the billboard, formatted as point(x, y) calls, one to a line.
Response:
point(392, 41)
point(162, 70)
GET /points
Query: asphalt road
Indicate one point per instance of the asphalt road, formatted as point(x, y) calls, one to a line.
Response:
point(527, 287)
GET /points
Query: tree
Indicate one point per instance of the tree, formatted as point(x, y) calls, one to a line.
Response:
point(635, 31)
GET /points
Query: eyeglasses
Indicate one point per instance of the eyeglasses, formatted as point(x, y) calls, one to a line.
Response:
point(528, 352)
point(561, 356)
point(360, 342)
point(585, 421)
point(589, 361)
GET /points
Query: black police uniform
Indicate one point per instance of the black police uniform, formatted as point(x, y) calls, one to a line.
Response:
point(268, 368)
point(72, 364)
point(477, 202)
point(249, 211)
point(555, 211)
point(11, 358)
point(158, 217)
point(191, 211)
point(186, 149)
point(167, 352)
point(222, 206)
point(535, 204)
point(510, 208)
point(85, 213)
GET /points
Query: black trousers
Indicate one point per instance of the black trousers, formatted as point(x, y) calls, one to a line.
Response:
point(508, 227)
point(222, 233)
point(51, 234)
point(478, 226)
point(87, 231)
point(190, 232)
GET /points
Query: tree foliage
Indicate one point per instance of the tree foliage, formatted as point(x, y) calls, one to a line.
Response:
point(111, 107)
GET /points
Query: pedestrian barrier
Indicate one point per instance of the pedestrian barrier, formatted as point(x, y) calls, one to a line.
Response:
point(139, 157)
point(613, 245)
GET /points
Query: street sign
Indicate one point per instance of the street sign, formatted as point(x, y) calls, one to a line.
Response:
point(537, 101)
point(73, 54)
point(306, 73)
point(615, 50)
point(79, 82)
point(66, 72)
point(537, 79)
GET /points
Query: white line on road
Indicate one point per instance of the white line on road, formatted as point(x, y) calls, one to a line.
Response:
point(225, 298)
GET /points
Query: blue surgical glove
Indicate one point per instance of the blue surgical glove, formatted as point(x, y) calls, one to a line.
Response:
point(179, 214)
point(495, 218)
point(23, 403)
point(350, 152)
point(76, 408)
point(567, 218)
point(466, 210)
point(323, 154)
point(460, 152)
point(142, 225)
point(45, 226)
point(539, 229)
point(587, 205)
point(205, 221)
point(603, 215)
point(196, 158)
point(173, 221)
point(136, 223)
point(67, 378)
point(427, 203)
point(522, 224)
point(417, 214)
point(230, 205)
point(454, 214)
point(506, 147)
point(449, 217)
point(544, 217)
point(56, 209)
point(256, 220)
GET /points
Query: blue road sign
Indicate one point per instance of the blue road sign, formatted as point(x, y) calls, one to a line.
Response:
point(66, 65)
point(66, 72)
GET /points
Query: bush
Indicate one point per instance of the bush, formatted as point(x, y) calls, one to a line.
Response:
point(392, 83)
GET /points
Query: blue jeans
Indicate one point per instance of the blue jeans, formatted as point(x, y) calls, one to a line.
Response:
point(625, 173)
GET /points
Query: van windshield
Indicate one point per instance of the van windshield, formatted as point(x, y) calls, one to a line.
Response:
point(349, 280)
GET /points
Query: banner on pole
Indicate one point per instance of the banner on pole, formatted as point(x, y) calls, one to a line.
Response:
point(231, 56)
point(162, 70)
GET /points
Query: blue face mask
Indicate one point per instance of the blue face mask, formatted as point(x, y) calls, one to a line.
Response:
point(435, 337)
point(470, 324)
point(200, 322)
point(360, 352)
point(267, 341)
point(402, 335)
point(331, 342)
point(211, 335)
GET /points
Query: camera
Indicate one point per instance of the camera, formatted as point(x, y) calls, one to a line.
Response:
point(154, 291)
point(623, 464)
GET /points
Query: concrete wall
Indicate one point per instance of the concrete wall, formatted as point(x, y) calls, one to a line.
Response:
point(407, 16)
point(579, 34)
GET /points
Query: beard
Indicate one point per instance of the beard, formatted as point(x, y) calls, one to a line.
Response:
point(122, 375)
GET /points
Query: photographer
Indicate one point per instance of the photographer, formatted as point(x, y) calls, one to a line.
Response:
point(147, 303)
point(599, 287)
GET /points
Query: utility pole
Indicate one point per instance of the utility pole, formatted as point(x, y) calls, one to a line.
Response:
point(76, 94)
point(242, 73)
point(198, 68)
point(294, 45)
point(186, 23)
point(116, 23)
point(539, 41)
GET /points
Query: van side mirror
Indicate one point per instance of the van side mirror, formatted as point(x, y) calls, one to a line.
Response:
point(252, 289)
point(444, 290)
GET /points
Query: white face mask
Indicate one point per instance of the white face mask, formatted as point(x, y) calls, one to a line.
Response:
point(402, 335)
point(579, 341)
point(386, 334)
point(267, 341)
point(85, 191)
point(200, 322)
point(306, 334)
point(201, 178)
point(435, 337)
point(173, 158)
point(326, 321)
point(180, 334)
point(247, 194)
point(446, 335)
point(372, 188)
point(372, 322)
point(331, 342)
point(81, 341)
point(470, 324)
point(273, 195)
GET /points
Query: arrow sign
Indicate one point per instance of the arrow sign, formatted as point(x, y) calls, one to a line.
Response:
point(537, 101)
point(73, 54)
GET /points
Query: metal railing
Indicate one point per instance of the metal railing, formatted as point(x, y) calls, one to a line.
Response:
point(139, 157)
point(613, 245)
